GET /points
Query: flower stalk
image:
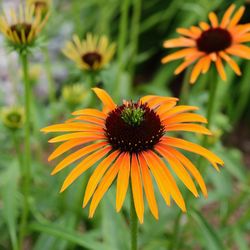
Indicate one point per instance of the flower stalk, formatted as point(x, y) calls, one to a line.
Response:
point(27, 153)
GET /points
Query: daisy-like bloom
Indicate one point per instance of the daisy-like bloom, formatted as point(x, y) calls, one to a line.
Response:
point(216, 43)
point(41, 6)
point(22, 27)
point(131, 142)
point(90, 54)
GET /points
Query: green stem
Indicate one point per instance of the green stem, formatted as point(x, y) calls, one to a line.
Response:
point(135, 35)
point(184, 94)
point(133, 224)
point(17, 149)
point(27, 154)
point(51, 83)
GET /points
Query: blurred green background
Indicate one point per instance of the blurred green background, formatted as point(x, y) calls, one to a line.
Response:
point(57, 221)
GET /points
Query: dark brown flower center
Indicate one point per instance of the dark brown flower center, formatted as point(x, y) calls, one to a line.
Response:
point(21, 28)
point(40, 5)
point(92, 58)
point(214, 40)
point(133, 127)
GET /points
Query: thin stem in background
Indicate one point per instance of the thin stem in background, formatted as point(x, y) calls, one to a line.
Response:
point(27, 153)
point(133, 223)
point(134, 39)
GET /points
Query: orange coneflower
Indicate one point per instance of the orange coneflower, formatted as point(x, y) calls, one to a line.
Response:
point(214, 43)
point(131, 141)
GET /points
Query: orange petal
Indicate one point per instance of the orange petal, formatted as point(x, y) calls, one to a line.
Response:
point(243, 38)
point(104, 185)
point(187, 32)
point(154, 99)
point(206, 64)
point(164, 108)
point(72, 127)
point(196, 70)
point(137, 188)
point(159, 177)
point(90, 119)
point(179, 42)
point(84, 165)
point(122, 181)
point(105, 98)
point(191, 168)
point(77, 155)
point(97, 175)
point(178, 168)
point(231, 63)
point(90, 112)
point(155, 162)
point(236, 18)
point(177, 55)
point(239, 50)
point(189, 127)
point(148, 186)
point(204, 26)
point(192, 147)
point(69, 145)
point(220, 69)
point(213, 19)
point(187, 62)
point(184, 117)
point(177, 110)
point(226, 18)
point(77, 135)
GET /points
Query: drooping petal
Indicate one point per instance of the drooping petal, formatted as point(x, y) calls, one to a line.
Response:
point(122, 181)
point(184, 117)
point(148, 186)
point(104, 185)
point(178, 109)
point(239, 50)
point(189, 127)
point(137, 188)
point(196, 70)
point(77, 155)
point(190, 167)
point(155, 162)
point(97, 175)
point(231, 63)
point(192, 147)
point(220, 69)
point(84, 165)
point(178, 169)
point(66, 137)
point(69, 145)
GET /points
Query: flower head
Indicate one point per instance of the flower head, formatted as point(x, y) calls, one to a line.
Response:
point(212, 43)
point(90, 54)
point(41, 6)
point(74, 95)
point(23, 27)
point(131, 142)
point(13, 117)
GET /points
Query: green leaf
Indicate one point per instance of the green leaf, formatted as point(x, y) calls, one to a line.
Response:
point(88, 240)
point(10, 204)
point(212, 239)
